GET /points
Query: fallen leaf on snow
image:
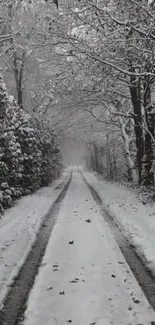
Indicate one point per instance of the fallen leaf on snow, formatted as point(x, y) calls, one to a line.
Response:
point(113, 275)
point(136, 301)
point(88, 220)
point(132, 246)
point(50, 288)
point(71, 242)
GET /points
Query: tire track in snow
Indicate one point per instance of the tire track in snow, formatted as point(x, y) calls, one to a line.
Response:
point(143, 276)
point(15, 302)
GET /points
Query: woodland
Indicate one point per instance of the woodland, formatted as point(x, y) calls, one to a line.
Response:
point(80, 69)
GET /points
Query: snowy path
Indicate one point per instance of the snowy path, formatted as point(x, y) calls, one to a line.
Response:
point(84, 278)
point(126, 207)
point(18, 228)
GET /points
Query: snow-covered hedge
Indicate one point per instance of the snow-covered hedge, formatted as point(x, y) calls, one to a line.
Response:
point(30, 156)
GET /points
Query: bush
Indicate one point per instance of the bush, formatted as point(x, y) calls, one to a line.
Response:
point(29, 151)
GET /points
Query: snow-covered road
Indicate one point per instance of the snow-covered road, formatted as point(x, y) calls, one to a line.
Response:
point(18, 228)
point(84, 278)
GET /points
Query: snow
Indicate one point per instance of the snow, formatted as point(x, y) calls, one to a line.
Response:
point(150, 2)
point(137, 220)
point(88, 280)
point(18, 228)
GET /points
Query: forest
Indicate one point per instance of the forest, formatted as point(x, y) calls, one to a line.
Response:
point(77, 162)
point(81, 70)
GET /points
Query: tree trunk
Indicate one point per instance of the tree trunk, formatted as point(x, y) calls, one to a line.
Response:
point(149, 136)
point(136, 102)
point(126, 142)
point(96, 158)
point(108, 159)
point(20, 97)
point(18, 71)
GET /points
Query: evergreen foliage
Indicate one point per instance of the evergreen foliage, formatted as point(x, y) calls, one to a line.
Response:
point(30, 156)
